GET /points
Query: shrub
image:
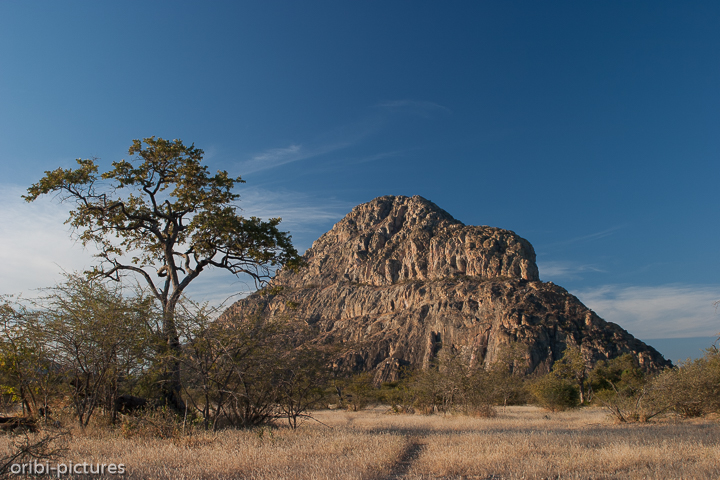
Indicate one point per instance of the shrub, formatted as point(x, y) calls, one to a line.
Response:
point(555, 393)
point(161, 423)
point(693, 388)
point(452, 385)
point(621, 387)
point(356, 392)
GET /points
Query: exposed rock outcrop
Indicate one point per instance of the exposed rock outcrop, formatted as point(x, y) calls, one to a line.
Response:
point(401, 279)
point(396, 239)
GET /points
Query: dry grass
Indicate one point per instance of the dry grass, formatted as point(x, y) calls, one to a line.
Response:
point(308, 453)
point(521, 442)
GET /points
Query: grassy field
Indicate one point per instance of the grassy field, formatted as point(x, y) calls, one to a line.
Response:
point(521, 442)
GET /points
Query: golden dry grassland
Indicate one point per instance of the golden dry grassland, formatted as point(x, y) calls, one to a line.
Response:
point(519, 443)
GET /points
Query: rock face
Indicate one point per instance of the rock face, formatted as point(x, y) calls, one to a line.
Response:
point(400, 279)
point(397, 239)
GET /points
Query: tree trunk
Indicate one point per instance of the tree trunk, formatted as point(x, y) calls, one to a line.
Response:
point(171, 385)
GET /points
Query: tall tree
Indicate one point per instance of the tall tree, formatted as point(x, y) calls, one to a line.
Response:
point(163, 217)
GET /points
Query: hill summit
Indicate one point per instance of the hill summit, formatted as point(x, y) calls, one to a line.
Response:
point(400, 279)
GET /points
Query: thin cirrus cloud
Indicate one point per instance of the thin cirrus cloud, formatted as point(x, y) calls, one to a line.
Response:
point(275, 157)
point(584, 238)
point(300, 212)
point(424, 108)
point(554, 270)
point(342, 137)
point(648, 312)
point(665, 311)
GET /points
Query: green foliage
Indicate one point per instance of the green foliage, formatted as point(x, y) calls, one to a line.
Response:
point(399, 394)
point(572, 367)
point(28, 373)
point(692, 388)
point(623, 388)
point(452, 384)
point(564, 387)
point(356, 392)
point(174, 216)
point(99, 336)
point(619, 374)
point(432, 392)
point(555, 393)
point(504, 384)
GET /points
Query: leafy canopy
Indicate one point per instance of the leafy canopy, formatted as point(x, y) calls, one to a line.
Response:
point(167, 213)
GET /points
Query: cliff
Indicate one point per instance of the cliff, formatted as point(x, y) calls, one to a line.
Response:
point(400, 279)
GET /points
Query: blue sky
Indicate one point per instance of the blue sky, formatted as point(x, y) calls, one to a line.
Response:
point(589, 128)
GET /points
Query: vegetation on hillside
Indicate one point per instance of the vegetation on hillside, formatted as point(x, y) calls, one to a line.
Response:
point(88, 349)
point(68, 358)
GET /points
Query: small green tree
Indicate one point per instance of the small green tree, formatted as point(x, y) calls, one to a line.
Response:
point(354, 392)
point(572, 367)
point(564, 386)
point(555, 393)
point(165, 218)
point(398, 394)
point(451, 384)
point(431, 390)
point(504, 381)
point(623, 388)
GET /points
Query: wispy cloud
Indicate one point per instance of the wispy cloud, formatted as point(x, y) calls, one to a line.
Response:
point(274, 157)
point(666, 311)
point(342, 162)
point(553, 270)
point(340, 138)
point(301, 212)
point(377, 156)
point(584, 238)
point(421, 107)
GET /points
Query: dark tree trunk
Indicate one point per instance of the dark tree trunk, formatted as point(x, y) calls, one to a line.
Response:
point(171, 385)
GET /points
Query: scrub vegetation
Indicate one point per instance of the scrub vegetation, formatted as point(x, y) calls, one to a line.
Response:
point(263, 402)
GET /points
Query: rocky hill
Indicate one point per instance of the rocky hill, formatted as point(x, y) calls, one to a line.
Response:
point(400, 279)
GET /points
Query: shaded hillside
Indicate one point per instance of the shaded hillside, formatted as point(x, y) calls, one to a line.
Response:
point(400, 279)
